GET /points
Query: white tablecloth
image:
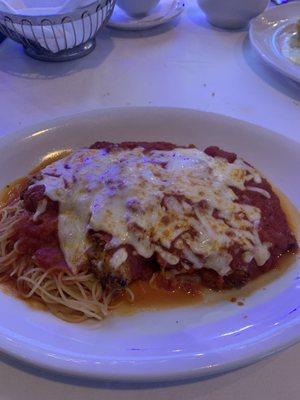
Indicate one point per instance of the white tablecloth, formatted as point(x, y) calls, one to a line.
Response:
point(185, 64)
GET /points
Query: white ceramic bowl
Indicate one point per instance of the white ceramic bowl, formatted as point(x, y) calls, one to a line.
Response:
point(137, 8)
point(232, 14)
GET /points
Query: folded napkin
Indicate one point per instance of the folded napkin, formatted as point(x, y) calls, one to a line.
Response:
point(40, 8)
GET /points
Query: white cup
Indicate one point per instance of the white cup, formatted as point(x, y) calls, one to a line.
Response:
point(137, 8)
point(232, 14)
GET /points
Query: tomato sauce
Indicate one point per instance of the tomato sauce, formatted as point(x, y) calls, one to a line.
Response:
point(40, 238)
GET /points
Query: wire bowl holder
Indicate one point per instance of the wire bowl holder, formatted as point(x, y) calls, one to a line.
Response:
point(60, 37)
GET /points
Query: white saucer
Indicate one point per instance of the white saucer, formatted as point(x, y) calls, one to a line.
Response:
point(164, 12)
point(267, 33)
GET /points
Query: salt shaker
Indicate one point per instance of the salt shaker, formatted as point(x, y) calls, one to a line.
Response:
point(232, 14)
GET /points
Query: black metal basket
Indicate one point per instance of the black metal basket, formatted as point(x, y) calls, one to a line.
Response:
point(59, 37)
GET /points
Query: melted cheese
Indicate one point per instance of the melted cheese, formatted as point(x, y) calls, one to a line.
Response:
point(152, 201)
point(41, 208)
point(118, 258)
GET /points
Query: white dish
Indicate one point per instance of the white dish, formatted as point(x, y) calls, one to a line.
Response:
point(169, 344)
point(166, 11)
point(266, 33)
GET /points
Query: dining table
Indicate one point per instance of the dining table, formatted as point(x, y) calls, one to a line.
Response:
point(186, 63)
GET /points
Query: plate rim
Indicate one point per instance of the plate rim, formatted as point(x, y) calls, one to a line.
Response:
point(286, 336)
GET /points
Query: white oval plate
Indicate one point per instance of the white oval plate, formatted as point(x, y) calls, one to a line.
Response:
point(168, 344)
point(266, 31)
point(163, 13)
